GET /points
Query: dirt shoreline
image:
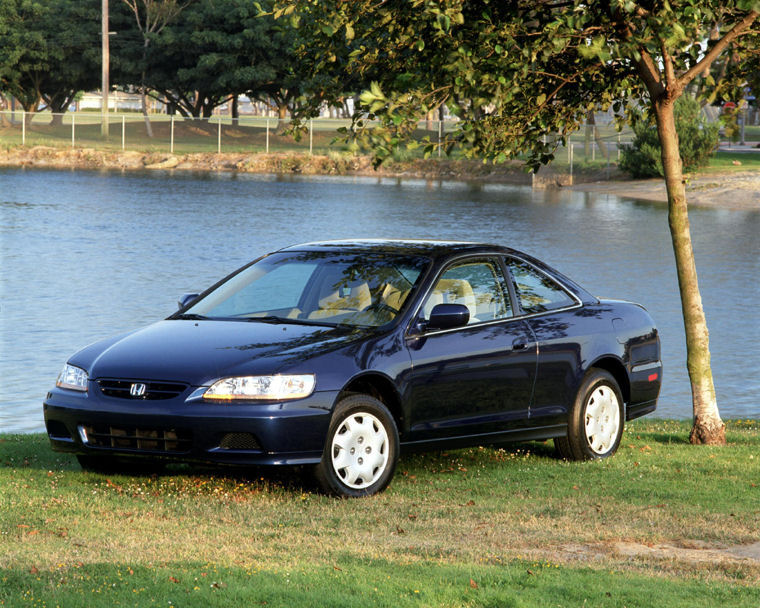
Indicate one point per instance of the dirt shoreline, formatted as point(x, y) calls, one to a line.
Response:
point(740, 191)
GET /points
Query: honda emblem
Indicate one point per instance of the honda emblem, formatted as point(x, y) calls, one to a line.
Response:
point(138, 389)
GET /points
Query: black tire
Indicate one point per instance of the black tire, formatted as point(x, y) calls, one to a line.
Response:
point(369, 450)
point(595, 424)
point(105, 463)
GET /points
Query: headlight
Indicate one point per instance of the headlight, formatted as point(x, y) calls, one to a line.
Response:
point(71, 377)
point(261, 387)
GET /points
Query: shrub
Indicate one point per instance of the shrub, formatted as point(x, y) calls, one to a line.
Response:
point(697, 140)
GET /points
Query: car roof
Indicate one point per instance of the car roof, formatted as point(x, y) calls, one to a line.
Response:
point(431, 248)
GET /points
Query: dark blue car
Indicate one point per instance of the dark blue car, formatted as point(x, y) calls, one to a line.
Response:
point(340, 354)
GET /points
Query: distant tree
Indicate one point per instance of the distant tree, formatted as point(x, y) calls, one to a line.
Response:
point(150, 18)
point(519, 70)
point(45, 52)
point(205, 57)
point(278, 81)
point(74, 61)
point(283, 80)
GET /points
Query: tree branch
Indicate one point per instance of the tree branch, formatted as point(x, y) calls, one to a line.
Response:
point(649, 73)
point(671, 82)
point(719, 47)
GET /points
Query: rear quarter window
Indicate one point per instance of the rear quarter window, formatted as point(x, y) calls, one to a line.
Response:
point(536, 291)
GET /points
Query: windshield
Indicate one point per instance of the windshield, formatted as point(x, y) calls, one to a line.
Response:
point(316, 287)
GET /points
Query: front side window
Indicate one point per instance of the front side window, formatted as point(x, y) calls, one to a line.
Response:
point(324, 288)
point(477, 284)
point(536, 291)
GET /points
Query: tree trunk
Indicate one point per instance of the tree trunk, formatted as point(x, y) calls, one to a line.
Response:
point(593, 131)
point(143, 89)
point(144, 108)
point(4, 120)
point(708, 428)
point(30, 111)
point(282, 117)
point(235, 110)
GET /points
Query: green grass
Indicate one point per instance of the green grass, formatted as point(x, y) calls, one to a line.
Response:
point(726, 161)
point(475, 527)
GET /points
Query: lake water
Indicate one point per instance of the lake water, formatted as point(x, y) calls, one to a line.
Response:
point(84, 255)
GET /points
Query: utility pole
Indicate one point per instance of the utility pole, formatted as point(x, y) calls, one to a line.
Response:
point(104, 74)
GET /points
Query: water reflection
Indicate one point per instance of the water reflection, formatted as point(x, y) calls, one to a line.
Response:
point(84, 255)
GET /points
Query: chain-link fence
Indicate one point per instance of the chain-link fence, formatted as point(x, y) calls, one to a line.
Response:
point(180, 135)
point(592, 150)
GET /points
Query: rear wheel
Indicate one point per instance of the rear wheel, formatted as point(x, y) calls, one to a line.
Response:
point(595, 425)
point(361, 449)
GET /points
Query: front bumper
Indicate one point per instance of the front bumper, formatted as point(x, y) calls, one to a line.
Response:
point(283, 433)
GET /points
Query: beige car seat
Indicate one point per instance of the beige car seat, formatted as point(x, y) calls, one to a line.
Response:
point(358, 298)
point(452, 291)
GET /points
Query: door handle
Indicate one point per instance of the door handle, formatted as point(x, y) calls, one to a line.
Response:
point(519, 344)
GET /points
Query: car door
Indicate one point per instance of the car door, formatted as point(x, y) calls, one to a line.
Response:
point(476, 379)
point(555, 317)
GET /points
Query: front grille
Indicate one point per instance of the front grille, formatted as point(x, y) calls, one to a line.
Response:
point(137, 438)
point(153, 391)
point(239, 441)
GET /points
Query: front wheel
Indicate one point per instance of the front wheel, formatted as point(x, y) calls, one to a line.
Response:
point(595, 425)
point(361, 449)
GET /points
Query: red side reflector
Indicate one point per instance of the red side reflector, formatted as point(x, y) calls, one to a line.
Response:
point(653, 377)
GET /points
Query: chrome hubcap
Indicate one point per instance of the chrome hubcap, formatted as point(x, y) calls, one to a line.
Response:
point(360, 450)
point(602, 419)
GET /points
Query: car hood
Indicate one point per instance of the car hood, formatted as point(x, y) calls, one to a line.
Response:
point(199, 352)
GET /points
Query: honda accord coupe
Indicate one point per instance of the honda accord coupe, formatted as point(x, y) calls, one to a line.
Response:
point(341, 354)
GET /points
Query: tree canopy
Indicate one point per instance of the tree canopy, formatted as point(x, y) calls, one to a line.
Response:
point(46, 51)
point(517, 71)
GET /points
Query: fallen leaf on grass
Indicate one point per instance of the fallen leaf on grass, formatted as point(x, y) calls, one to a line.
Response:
point(34, 570)
point(473, 584)
point(113, 485)
point(173, 579)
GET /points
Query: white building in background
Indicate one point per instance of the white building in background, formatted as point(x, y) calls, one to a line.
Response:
point(117, 102)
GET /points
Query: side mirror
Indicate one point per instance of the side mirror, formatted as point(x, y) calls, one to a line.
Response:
point(447, 316)
point(185, 299)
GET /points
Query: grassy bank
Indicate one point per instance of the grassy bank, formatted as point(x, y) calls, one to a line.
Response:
point(476, 527)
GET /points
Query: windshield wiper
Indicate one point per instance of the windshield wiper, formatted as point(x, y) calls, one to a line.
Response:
point(276, 319)
point(190, 316)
